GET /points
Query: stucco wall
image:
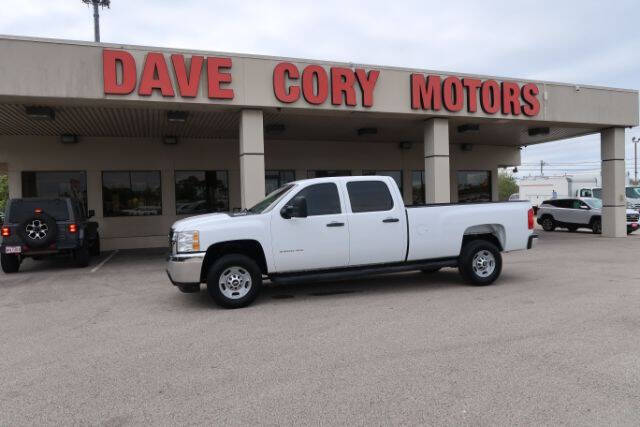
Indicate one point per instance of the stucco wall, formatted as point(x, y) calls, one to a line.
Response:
point(95, 155)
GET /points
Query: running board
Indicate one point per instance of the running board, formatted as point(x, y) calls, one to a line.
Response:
point(346, 273)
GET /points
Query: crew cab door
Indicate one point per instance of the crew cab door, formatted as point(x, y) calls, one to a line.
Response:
point(319, 241)
point(377, 222)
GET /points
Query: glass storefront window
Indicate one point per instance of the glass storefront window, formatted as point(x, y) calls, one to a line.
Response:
point(200, 192)
point(396, 175)
point(417, 187)
point(327, 173)
point(131, 193)
point(474, 186)
point(274, 179)
point(55, 184)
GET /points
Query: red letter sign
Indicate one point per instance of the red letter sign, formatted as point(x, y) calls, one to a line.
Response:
point(367, 84)
point(472, 86)
point(510, 98)
point(490, 100)
point(426, 94)
point(155, 65)
point(188, 87)
point(529, 94)
point(342, 80)
point(311, 75)
point(110, 59)
point(280, 73)
point(452, 94)
point(216, 78)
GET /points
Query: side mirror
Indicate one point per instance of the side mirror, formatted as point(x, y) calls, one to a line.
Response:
point(91, 213)
point(296, 208)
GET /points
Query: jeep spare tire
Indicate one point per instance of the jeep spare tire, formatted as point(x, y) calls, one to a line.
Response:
point(38, 231)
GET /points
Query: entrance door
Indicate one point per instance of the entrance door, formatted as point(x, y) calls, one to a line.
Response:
point(319, 241)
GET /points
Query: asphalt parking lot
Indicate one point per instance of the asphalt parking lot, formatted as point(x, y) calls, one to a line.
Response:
point(555, 341)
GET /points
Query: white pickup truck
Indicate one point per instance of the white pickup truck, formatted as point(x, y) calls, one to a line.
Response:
point(334, 228)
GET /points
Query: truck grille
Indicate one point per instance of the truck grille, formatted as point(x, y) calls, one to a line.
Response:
point(170, 236)
point(633, 217)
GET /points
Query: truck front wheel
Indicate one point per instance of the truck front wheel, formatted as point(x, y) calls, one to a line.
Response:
point(480, 262)
point(234, 281)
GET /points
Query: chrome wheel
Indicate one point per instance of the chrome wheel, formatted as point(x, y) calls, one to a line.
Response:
point(483, 263)
point(235, 282)
point(37, 230)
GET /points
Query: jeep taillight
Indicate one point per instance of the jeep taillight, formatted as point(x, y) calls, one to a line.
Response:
point(530, 216)
point(73, 228)
point(6, 232)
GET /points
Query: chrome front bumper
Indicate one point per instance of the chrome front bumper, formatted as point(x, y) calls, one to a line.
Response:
point(184, 269)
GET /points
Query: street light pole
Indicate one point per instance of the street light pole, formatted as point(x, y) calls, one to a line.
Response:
point(96, 15)
point(635, 141)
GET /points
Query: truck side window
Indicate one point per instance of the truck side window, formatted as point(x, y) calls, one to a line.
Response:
point(322, 199)
point(369, 196)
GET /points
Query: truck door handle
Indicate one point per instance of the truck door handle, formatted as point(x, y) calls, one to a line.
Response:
point(390, 220)
point(335, 224)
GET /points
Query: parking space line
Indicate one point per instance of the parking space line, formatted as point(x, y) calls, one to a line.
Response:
point(104, 261)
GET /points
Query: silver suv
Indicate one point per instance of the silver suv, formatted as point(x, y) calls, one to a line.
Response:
point(585, 212)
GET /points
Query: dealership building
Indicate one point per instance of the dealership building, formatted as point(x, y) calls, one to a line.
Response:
point(146, 135)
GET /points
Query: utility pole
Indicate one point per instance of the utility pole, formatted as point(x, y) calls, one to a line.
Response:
point(542, 163)
point(635, 141)
point(96, 15)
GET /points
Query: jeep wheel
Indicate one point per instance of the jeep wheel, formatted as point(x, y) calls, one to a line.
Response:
point(548, 224)
point(234, 281)
point(95, 246)
point(596, 226)
point(10, 263)
point(480, 262)
point(82, 256)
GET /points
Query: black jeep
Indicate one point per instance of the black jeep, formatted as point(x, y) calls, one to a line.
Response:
point(37, 228)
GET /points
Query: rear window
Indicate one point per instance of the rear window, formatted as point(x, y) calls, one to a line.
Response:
point(22, 209)
point(369, 196)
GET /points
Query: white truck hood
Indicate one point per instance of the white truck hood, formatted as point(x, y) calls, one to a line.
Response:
point(196, 222)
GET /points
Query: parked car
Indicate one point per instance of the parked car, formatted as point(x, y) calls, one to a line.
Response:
point(631, 193)
point(573, 214)
point(340, 227)
point(42, 227)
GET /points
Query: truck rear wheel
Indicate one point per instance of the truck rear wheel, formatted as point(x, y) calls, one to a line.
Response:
point(480, 262)
point(234, 281)
point(10, 263)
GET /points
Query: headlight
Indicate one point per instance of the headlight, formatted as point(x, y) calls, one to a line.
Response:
point(187, 241)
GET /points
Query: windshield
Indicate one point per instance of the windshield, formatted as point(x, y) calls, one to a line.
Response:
point(594, 203)
point(271, 199)
point(633, 192)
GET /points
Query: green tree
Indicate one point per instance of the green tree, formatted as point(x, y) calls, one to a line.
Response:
point(506, 185)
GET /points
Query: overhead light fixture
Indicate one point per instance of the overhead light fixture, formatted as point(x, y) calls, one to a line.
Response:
point(468, 127)
point(177, 116)
point(40, 113)
point(367, 131)
point(538, 131)
point(170, 140)
point(406, 145)
point(68, 138)
point(275, 128)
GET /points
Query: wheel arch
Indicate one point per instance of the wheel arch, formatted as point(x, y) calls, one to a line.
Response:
point(494, 233)
point(251, 248)
point(595, 218)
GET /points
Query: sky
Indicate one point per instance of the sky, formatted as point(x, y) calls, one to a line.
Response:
point(583, 42)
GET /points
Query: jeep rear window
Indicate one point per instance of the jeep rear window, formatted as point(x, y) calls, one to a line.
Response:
point(23, 209)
